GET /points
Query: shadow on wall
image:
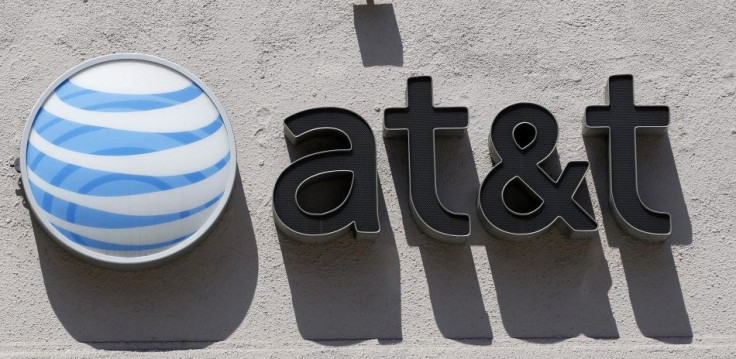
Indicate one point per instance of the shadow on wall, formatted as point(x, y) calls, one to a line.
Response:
point(548, 289)
point(344, 290)
point(454, 291)
point(378, 35)
point(553, 287)
point(195, 300)
point(650, 270)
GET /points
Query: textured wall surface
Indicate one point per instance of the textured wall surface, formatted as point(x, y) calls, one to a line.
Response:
point(246, 289)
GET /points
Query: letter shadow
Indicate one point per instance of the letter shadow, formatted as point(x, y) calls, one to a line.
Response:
point(650, 270)
point(190, 302)
point(552, 287)
point(454, 291)
point(345, 290)
point(378, 35)
point(548, 289)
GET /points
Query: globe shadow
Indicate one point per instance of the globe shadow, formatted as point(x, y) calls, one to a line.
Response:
point(190, 302)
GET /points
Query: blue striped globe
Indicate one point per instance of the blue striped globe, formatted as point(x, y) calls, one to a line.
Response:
point(128, 160)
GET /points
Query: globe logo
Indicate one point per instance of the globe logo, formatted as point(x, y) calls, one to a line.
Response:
point(127, 160)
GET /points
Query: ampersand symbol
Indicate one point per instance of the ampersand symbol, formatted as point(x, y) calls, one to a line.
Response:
point(519, 200)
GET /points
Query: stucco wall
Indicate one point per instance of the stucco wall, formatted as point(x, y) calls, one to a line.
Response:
point(247, 289)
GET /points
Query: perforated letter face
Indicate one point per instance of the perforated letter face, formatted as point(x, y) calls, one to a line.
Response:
point(519, 200)
point(356, 159)
point(621, 121)
point(127, 160)
point(421, 123)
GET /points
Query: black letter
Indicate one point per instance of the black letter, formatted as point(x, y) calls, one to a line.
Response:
point(621, 120)
point(420, 121)
point(519, 200)
point(357, 158)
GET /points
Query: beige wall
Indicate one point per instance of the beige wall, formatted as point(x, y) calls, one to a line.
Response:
point(248, 289)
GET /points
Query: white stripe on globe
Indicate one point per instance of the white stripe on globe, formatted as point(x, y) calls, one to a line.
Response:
point(189, 116)
point(193, 157)
point(131, 77)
